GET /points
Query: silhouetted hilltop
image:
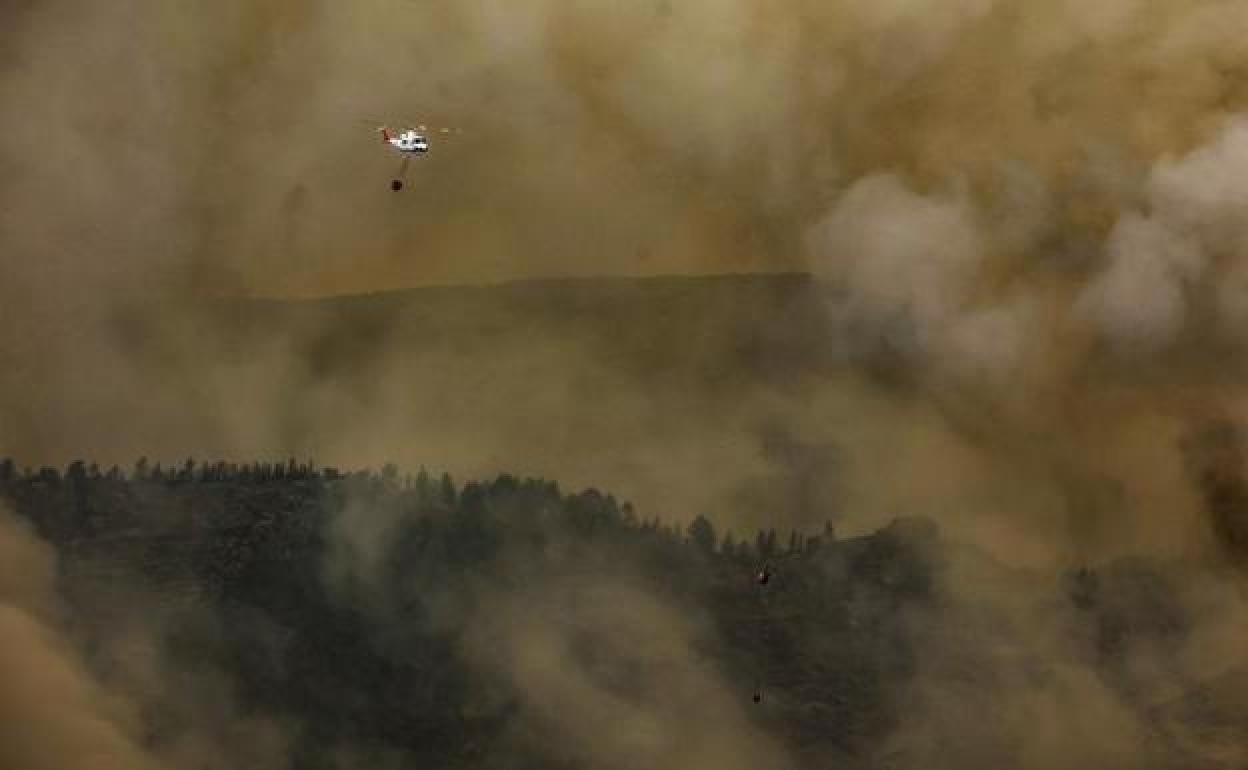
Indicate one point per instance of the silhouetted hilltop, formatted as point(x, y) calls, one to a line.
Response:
point(717, 328)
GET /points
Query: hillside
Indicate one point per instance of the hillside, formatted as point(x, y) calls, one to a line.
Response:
point(395, 616)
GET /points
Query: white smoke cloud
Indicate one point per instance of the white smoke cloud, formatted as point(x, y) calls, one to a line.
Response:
point(907, 262)
point(1139, 301)
point(1206, 191)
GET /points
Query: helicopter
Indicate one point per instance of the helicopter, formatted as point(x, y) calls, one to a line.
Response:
point(408, 142)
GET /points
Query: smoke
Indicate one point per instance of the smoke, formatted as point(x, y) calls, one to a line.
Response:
point(54, 713)
point(1035, 366)
point(592, 651)
point(1140, 299)
point(1001, 189)
point(907, 264)
point(682, 127)
point(1028, 215)
point(97, 689)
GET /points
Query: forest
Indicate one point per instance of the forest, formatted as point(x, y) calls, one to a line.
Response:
point(388, 616)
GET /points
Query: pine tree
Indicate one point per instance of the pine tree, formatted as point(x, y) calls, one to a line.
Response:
point(424, 487)
point(702, 534)
point(449, 495)
point(76, 474)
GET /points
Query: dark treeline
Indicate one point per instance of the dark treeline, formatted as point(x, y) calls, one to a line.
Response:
point(79, 483)
point(188, 471)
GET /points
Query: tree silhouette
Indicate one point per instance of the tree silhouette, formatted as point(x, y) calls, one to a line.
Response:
point(702, 534)
point(76, 474)
point(424, 487)
point(448, 490)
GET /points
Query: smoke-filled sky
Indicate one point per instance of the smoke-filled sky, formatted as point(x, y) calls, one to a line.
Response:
point(229, 144)
point(1029, 217)
point(1031, 210)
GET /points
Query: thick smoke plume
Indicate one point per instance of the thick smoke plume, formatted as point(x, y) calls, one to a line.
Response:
point(108, 698)
point(55, 713)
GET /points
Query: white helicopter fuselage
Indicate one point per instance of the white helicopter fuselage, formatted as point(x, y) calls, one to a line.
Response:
point(408, 141)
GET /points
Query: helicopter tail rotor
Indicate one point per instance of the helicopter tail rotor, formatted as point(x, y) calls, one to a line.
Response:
point(386, 133)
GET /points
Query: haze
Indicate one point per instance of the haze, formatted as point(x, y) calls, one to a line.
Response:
point(1026, 222)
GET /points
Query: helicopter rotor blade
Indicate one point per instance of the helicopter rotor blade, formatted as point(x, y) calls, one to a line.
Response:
point(424, 127)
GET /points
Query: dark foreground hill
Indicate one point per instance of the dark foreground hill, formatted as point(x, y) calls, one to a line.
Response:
point(413, 622)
